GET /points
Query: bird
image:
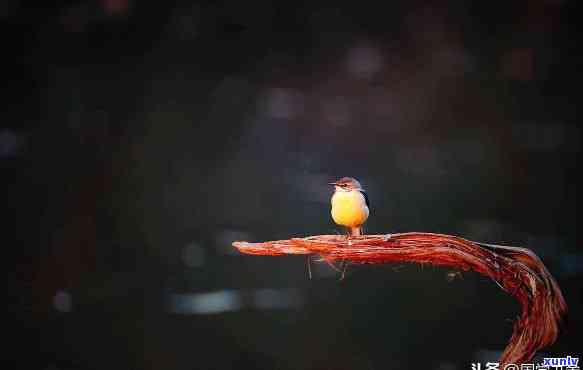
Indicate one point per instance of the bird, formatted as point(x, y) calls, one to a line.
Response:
point(350, 205)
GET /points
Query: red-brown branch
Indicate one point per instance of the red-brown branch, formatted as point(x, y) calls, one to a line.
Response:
point(517, 270)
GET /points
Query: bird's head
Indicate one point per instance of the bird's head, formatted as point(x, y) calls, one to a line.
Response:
point(346, 184)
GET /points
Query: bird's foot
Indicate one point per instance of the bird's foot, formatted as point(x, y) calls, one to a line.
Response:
point(349, 239)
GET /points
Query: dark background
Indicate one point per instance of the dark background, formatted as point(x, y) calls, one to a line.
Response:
point(139, 139)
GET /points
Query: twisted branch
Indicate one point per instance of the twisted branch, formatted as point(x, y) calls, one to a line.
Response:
point(516, 270)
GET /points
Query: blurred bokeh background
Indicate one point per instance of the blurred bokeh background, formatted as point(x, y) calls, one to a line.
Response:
point(139, 139)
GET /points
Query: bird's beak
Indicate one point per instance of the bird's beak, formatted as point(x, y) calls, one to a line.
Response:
point(332, 183)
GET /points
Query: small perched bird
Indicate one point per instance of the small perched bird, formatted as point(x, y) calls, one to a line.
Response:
point(350, 205)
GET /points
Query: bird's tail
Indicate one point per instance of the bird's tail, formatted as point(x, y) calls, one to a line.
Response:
point(355, 231)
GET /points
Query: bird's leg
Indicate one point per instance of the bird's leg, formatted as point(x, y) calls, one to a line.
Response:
point(355, 231)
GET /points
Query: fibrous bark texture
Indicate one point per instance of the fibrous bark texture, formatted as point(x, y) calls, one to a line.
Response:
point(516, 270)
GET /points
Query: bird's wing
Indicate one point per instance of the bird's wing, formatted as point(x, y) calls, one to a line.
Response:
point(365, 198)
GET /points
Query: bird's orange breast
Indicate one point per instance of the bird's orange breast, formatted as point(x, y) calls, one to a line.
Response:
point(349, 208)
